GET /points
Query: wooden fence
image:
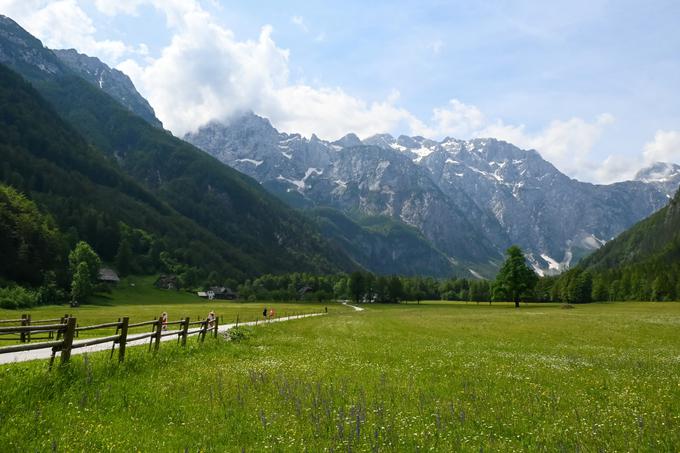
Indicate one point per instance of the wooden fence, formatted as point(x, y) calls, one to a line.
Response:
point(61, 333)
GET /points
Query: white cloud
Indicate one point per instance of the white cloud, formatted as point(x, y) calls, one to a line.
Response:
point(566, 144)
point(614, 168)
point(299, 21)
point(456, 119)
point(63, 24)
point(664, 148)
point(112, 8)
point(204, 73)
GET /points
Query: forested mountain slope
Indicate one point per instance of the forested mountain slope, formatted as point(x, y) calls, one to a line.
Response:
point(255, 231)
point(655, 240)
point(88, 196)
point(642, 263)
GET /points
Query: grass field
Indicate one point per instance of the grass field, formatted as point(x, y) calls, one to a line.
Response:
point(436, 376)
point(137, 298)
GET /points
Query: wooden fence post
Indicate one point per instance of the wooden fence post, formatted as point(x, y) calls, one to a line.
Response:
point(123, 338)
point(157, 338)
point(63, 320)
point(69, 333)
point(215, 328)
point(24, 322)
point(201, 334)
point(185, 330)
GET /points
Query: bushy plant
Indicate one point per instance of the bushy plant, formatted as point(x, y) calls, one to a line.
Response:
point(239, 333)
point(18, 297)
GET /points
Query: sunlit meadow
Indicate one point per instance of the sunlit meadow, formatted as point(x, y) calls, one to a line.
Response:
point(436, 376)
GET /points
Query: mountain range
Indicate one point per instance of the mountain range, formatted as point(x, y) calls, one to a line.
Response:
point(470, 199)
point(404, 205)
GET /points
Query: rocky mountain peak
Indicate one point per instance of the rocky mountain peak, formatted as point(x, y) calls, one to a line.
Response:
point(24, 50)
point(348, 141)
point(381, 140)
point(659, 171)
point(663, 175)
point(112, 81)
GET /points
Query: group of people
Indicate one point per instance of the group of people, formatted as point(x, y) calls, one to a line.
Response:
point(212, 318)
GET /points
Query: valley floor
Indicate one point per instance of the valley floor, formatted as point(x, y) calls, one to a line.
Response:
point(440, 376)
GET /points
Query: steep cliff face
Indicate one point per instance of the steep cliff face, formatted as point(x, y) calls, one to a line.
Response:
point(470, 199)
point(112, 81)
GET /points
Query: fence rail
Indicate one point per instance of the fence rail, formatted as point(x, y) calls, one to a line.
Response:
point(64, 333)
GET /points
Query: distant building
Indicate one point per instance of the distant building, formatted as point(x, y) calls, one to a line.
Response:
point(218, 292)
point(167, 282)
point(107, 275)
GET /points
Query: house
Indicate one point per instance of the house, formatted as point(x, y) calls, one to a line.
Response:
point(108, 275)
point(218, 292)
point(167, 282)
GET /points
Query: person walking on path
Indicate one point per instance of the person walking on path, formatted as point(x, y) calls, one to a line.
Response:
point(211, 320)
point(264, 313)
point(164, 320)
point(271, 313)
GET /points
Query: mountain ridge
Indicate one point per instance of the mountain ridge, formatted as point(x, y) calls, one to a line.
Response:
point(112, 81)
point(508, 194)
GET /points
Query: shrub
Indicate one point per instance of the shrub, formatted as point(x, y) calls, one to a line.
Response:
point(18, 297)
point(238, 334)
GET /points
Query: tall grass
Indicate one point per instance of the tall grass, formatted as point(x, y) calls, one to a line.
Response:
point(437, 377)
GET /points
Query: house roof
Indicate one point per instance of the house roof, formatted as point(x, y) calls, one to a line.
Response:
point(108, 275)
point(221, 290)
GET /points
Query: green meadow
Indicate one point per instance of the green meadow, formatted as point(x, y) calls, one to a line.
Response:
point(136, 298)
point(435, 376)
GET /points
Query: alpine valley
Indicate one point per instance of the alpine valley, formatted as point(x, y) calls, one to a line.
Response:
point(405, 205)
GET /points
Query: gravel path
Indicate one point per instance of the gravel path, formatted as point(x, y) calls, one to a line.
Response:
point(47, 353)
point(353, 306)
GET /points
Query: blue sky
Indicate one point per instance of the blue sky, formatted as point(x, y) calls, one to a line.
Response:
point(592, 85)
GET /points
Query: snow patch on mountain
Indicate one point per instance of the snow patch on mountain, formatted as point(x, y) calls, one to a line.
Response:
point(552, 264)
point(476, 274)
point(257, 163)
point(299, 183)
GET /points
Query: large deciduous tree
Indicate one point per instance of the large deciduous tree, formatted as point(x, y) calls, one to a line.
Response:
point(515, 277)
point(84, 264)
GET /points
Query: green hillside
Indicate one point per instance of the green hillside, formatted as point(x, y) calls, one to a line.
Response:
point(383, 245)
point(642, 263)
point(147, 178)
point(88, 196)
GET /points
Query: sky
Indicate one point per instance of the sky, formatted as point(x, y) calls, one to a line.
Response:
point(594, 86)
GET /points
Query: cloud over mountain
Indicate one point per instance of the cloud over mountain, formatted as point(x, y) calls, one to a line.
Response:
point(205, 72)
